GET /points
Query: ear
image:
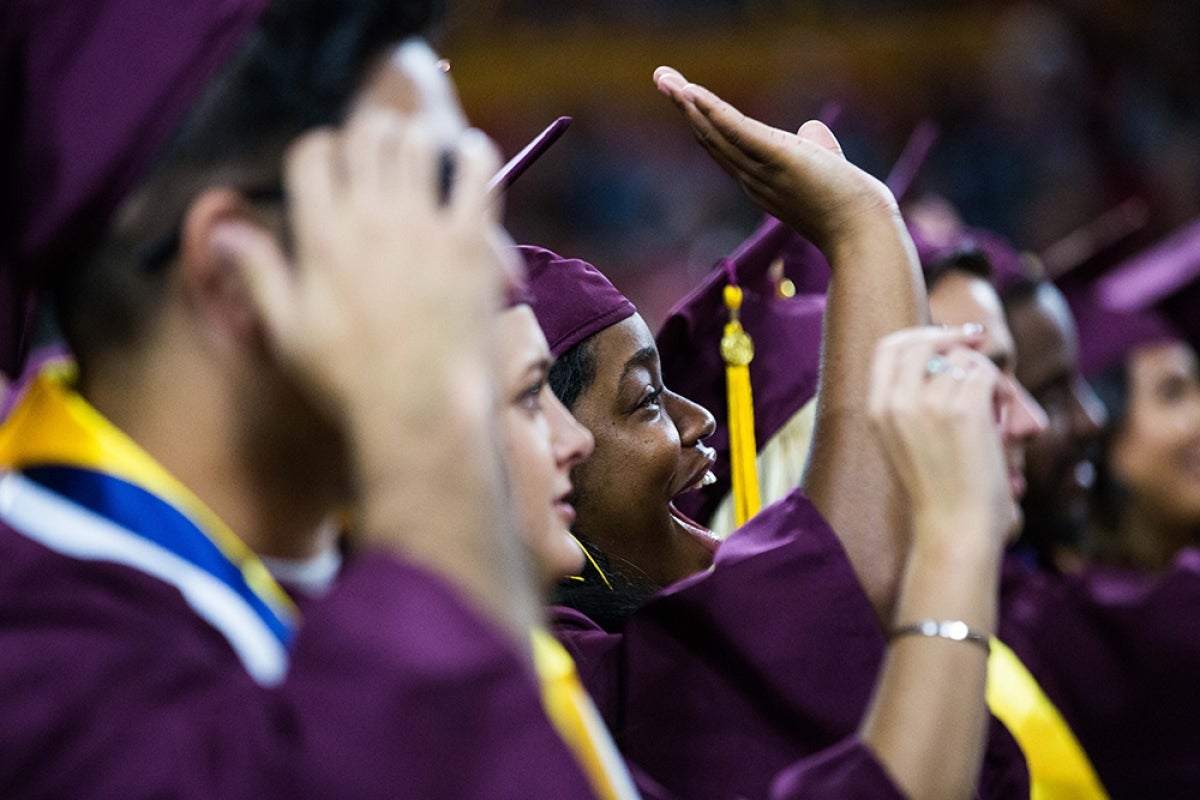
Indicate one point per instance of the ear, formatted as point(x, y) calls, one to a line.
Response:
point(211, 281)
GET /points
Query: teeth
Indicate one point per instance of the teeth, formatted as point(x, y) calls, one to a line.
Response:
point(707, 479)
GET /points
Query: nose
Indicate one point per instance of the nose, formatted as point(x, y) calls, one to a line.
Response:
point(571, 440)
point(1088, 416)
point(1026, 417)
point(692, 420)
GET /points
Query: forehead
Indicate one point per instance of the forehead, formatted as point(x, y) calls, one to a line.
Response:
point(521, 342)
point(617, 344)
point(960, 297)
point(1043, 331)
point(1150, 362)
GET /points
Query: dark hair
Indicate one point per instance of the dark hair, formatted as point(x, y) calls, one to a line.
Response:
point(573, 372)
point(299, 69)
point(609, 600)
point(968, 259)
point(1021, 290)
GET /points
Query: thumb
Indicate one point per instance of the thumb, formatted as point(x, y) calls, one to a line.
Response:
point(262, 267)
point(819, 134)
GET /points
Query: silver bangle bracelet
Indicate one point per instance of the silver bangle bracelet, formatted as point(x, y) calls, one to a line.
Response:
point(953, 629)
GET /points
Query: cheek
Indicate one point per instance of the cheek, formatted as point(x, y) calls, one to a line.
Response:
point(627, 467)
point(609, 472)
point(1140, 458)
point(528, 476)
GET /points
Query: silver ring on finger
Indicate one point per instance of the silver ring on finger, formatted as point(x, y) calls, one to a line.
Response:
point(958, 374)
point(936, 365)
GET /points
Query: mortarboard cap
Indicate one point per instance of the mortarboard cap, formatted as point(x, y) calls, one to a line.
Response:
point(940, 236)
point(1165, 277)
point(1108, 336)
point(1114, 301)
point(1078, 265)
point(507, 175)
point(571, 299)
point(785, 330)
point(93, 91)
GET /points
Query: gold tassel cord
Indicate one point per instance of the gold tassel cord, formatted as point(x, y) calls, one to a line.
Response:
point(737, 350)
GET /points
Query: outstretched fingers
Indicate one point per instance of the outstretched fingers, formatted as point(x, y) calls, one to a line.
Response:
point(729, 135)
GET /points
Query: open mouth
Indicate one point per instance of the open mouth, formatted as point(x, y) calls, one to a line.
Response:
point(703, 475)
point(705, 537)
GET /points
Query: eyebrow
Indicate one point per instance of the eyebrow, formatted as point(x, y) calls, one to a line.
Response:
point(642, 358)
point(539, 367)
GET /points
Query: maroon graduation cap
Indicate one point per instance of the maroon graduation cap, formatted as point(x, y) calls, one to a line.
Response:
point(1146, 299)
point(92, 92)
point(1164, 278)
point(507, 175)
point(571, 299)
point(786, 332)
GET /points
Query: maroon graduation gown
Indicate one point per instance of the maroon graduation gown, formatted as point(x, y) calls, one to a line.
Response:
point(112, 687)
point(1119, 654)
point(751, 680)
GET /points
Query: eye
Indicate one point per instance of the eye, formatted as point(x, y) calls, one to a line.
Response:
point(650, 399)
point(530, 398)
point(1173, 389)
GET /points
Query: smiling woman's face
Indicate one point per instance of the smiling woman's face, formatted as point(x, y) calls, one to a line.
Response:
point(1155, 452)
point(648, 451)
point(542, 442)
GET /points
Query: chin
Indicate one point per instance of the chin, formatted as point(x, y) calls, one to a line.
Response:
point(561, 556)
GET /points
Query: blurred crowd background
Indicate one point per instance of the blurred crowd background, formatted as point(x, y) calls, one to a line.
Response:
point(1050, 114)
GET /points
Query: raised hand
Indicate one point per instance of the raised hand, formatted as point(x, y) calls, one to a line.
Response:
point(802, 178)
point(387, 281)
point(934, 403)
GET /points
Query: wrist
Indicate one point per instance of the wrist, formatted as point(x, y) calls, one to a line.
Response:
point(871, 225)
point(954, 630)
point(956, 535)
point(948, 581)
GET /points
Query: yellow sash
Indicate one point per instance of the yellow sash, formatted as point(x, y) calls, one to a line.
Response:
point(578, 723)
point(54, 425)
point(1058, 767)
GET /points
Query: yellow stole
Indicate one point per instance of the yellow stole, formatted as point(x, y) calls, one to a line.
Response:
point(577, 721)
point(1059, 769)
point(89, 491)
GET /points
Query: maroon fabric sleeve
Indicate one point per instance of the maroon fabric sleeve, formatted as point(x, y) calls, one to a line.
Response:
point(112, 687)
point(1118, 652)
point(725, 681)
point(847, 771)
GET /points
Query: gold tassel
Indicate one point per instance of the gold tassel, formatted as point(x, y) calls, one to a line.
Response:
point(737, 350)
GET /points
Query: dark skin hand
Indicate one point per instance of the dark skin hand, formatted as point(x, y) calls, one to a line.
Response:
point(803, 179)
